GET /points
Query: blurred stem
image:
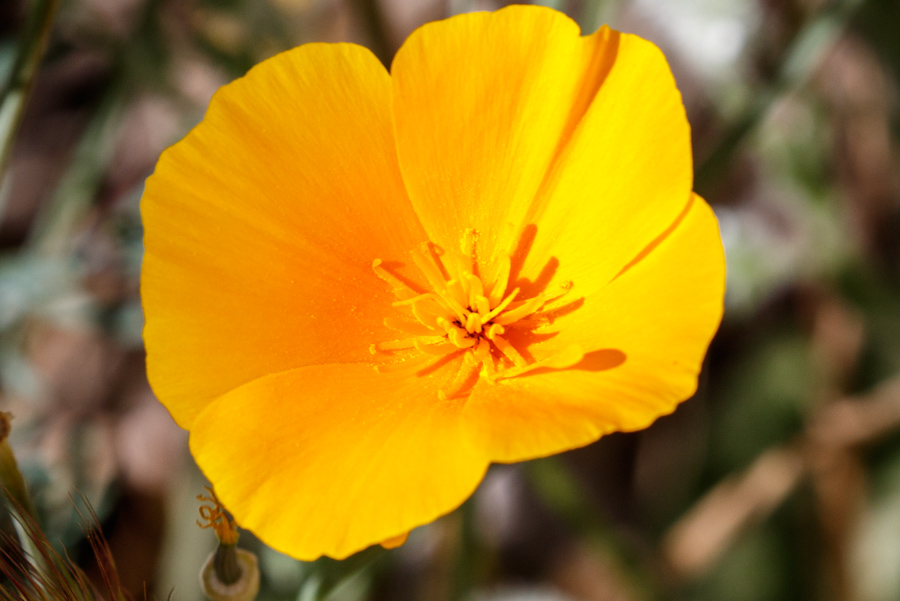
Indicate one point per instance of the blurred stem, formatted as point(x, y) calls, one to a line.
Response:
point(562, 494)
point(21, 78)
point(466, 560)
point(12, 481)
point(797, 64)
point(17, 501)
point(52, 231)
point(715, 165)
point(374, 23)
point(595, 13)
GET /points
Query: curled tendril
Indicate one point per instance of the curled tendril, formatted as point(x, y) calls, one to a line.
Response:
point(214, 516)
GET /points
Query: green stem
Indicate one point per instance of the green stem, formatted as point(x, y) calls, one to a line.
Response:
point(21, 78)
point(464, 576)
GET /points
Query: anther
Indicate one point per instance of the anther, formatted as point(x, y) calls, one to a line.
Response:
point(457, 337)
point(473, 323)
point(494, 330)
point(482, 305)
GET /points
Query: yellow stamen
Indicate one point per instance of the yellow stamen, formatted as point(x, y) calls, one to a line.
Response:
point(523, 310)
point(460, 265)
point(499, 308)
point(483, 354)
point(458, 294)
point(509, 351)
point(436, 348)
point(501, 280)
point(417, 303)
point(396, 283)
point(468, 369)
point(411, 365)
point(416, 328)
point(406, 343)
point(430, 271)
point(476, 290)
point(415, 299)
point(431, 314)
point(445, 324)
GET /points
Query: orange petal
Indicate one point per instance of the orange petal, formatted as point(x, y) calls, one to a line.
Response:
point(262, 224)
point(646, 334)
point(483, 103)
point(332, 459)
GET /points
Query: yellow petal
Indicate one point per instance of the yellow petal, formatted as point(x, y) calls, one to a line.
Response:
point(483, 103)
point(396, 541)
point(622, 178)
point(262, 225)
point(646, 334)
point(332, 459)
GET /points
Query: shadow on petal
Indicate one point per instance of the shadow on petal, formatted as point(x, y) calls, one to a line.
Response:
point(595, 361)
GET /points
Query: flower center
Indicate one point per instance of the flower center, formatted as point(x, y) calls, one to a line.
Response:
point(467, 310)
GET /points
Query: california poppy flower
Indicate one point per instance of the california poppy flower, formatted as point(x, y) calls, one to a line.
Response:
point(362, 288)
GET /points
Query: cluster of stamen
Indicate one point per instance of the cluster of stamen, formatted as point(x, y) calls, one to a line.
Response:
point(468, 311)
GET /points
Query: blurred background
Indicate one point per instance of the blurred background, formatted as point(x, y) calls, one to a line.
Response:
point(779, 480)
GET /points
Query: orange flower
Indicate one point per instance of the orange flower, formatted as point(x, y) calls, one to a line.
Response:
point(363, 288)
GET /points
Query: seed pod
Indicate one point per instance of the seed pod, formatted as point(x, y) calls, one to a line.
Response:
point(244, 589)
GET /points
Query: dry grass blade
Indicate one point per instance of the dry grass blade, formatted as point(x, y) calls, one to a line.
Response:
point(44, 574)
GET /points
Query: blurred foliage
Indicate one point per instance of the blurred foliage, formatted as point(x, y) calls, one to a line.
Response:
point(779, 480)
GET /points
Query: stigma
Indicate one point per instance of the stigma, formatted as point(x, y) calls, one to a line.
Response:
point(468, 309)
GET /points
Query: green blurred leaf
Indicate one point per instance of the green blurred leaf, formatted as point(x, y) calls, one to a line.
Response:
point(326, 576)
point(764, 401)
point(14, 96)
